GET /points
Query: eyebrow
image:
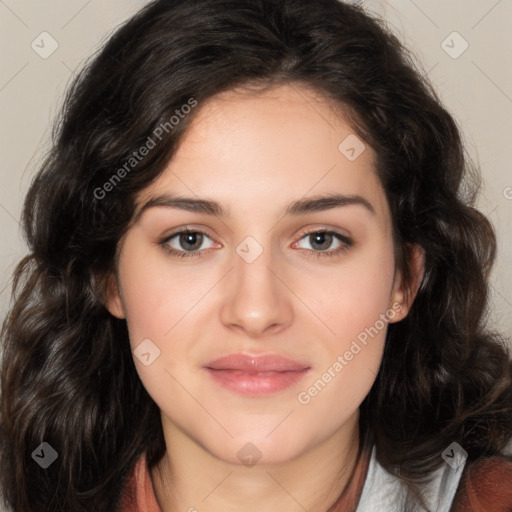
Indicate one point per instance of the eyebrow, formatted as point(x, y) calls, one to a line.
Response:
point(300, 207)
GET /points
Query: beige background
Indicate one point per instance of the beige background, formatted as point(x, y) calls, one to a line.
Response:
point(476, 87)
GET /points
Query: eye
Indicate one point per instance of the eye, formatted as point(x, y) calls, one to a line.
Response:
point(191, 241)
point(321, 240)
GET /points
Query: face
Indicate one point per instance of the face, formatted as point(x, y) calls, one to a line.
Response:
point(296, 261)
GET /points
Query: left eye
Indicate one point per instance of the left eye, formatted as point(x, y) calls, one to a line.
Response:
point(190, 240)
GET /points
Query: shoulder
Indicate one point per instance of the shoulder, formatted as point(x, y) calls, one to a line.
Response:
point(485, 486)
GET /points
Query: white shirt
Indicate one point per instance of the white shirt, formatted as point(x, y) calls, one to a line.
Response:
point(383, 492)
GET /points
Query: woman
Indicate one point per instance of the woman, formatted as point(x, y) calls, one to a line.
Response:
point(319, 345)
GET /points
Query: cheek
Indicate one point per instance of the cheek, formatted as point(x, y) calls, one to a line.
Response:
point(156, 295)
point(354, 303)
point(354, 306)
point(156, 301)
point(354, 295)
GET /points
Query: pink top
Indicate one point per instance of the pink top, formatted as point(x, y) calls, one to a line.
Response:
point(139, 495)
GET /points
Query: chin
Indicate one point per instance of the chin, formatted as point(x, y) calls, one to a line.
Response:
point(259, 450)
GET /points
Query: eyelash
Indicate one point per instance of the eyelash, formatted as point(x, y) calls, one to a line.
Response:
point(347, 244)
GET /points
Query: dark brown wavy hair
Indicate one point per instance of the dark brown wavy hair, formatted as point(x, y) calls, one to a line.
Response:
point(68, 376)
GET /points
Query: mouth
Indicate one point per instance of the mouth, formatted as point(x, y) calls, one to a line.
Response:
point(256, 375)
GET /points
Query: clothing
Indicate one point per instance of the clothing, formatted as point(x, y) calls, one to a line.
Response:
point(138, 494)
point(383, 492)
point(484, 486)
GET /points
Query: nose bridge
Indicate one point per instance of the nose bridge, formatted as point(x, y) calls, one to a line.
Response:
point(257, 299)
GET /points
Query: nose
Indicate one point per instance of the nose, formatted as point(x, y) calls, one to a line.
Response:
point(257, 301)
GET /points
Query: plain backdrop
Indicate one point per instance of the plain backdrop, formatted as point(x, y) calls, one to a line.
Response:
point(464, 46)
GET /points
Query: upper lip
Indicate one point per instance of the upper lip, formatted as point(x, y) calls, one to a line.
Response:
point(255, 363)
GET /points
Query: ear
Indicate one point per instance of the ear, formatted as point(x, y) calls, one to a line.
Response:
point(113, 301)
point(404, 291)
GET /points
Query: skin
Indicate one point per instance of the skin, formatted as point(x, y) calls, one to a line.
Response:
point(255, 153)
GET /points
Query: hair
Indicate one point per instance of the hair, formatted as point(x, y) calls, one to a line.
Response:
point(68, 377)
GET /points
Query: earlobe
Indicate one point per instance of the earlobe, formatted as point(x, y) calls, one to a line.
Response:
point(113, 301)
point(404, 292)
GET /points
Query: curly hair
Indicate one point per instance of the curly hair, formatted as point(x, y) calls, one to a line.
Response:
point(68, 376)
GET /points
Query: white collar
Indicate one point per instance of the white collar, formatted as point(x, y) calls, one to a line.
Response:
point(384, 492)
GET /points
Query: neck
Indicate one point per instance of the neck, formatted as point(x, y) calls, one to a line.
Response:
point(189, 478)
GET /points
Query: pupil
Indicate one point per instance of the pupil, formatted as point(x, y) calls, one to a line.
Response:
point(320, 236)
point(188, 238)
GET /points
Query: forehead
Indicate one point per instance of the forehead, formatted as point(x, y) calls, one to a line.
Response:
point(262, 148)
point(289, 117)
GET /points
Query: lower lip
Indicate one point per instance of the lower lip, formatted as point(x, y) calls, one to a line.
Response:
point(256, 383)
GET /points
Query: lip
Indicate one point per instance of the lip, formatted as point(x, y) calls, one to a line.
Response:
point(256, 375)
